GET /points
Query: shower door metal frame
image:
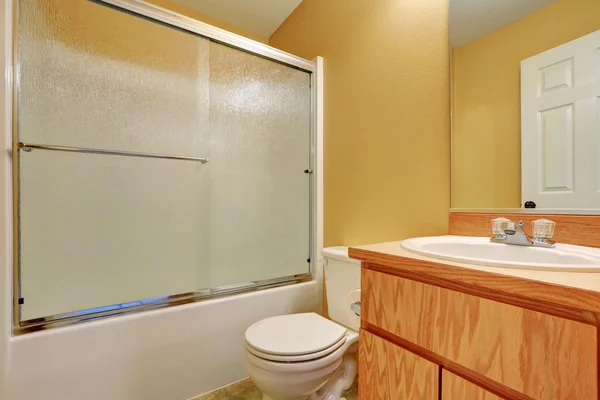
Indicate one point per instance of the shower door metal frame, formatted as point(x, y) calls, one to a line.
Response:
point(161, 15)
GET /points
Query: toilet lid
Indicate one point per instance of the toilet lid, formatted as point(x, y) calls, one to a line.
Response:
point(292, 335)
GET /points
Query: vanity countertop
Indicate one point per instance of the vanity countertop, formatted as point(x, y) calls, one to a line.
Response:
point(573, 295)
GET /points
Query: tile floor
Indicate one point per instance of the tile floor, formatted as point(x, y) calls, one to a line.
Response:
point(245, 390)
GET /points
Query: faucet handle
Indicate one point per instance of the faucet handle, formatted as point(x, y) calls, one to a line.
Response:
point(543, 229)
point(498, 226)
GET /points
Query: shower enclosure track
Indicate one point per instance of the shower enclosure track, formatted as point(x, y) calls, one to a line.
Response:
point(70, 318)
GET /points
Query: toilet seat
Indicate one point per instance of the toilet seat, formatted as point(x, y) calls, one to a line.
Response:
point(297, 358)
point(334, 359)
point(294, 338)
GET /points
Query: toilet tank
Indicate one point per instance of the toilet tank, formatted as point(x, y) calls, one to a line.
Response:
point(342, 280)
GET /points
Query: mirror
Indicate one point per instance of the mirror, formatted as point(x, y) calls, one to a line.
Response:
point(525, 79)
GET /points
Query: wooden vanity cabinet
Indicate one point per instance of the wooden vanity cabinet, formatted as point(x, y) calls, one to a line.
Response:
point(420, 341)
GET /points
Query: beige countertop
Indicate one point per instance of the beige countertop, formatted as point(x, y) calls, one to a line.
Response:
point(579, 280)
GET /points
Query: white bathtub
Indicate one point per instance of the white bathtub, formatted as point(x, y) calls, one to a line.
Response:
point(175, 353)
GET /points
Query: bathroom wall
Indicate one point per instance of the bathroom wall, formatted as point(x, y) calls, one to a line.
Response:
point(387, 141)
point(486, 104)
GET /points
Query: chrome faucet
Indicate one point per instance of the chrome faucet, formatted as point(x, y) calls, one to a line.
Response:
point(508, 232)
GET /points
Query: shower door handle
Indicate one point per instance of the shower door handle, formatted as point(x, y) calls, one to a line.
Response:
point(27, 147)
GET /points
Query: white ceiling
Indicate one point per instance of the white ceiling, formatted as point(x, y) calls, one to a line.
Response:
point(472, 19)
point(261, 17)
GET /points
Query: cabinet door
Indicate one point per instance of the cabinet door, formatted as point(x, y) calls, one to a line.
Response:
point(456, 388)
point(542, 356)
point(388, 372)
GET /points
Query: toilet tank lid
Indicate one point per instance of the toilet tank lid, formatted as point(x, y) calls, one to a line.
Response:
point(339, 253)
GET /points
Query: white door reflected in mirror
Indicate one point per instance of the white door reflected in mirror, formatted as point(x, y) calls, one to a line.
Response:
point(525, 83)
point(560, 122)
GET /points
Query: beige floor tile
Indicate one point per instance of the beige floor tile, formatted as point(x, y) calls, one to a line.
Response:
point(245, 390)
point(216, 395)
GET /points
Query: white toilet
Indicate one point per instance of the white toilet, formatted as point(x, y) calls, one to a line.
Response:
point(306, 356)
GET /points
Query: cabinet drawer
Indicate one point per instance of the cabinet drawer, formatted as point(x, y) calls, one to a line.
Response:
point(388, 372)
point(542, 356)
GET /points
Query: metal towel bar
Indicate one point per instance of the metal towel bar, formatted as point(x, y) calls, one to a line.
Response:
point(30, 146)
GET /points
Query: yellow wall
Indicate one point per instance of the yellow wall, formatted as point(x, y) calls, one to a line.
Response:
point(386, 113)
point(486, 135)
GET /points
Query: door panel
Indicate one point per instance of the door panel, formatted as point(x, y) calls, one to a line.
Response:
point(539, 355)
point(560, 92)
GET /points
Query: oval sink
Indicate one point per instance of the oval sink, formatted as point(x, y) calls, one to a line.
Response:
point(479, 250)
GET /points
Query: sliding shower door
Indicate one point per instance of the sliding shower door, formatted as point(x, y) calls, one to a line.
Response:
point(107, 218)
point(259, 147)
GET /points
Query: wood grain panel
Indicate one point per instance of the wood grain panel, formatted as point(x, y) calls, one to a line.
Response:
point(388, 372)
point(583, 230)
point(542, 356)
point(456, 388)
point(399, 306)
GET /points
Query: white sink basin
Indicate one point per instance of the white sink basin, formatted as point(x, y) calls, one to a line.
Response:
point(478, 250)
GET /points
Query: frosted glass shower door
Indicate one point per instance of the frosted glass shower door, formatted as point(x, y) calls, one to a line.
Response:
point(260, 146)
point(100, 230)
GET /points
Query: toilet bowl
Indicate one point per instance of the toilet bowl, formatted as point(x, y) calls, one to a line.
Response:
point(306, 356)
